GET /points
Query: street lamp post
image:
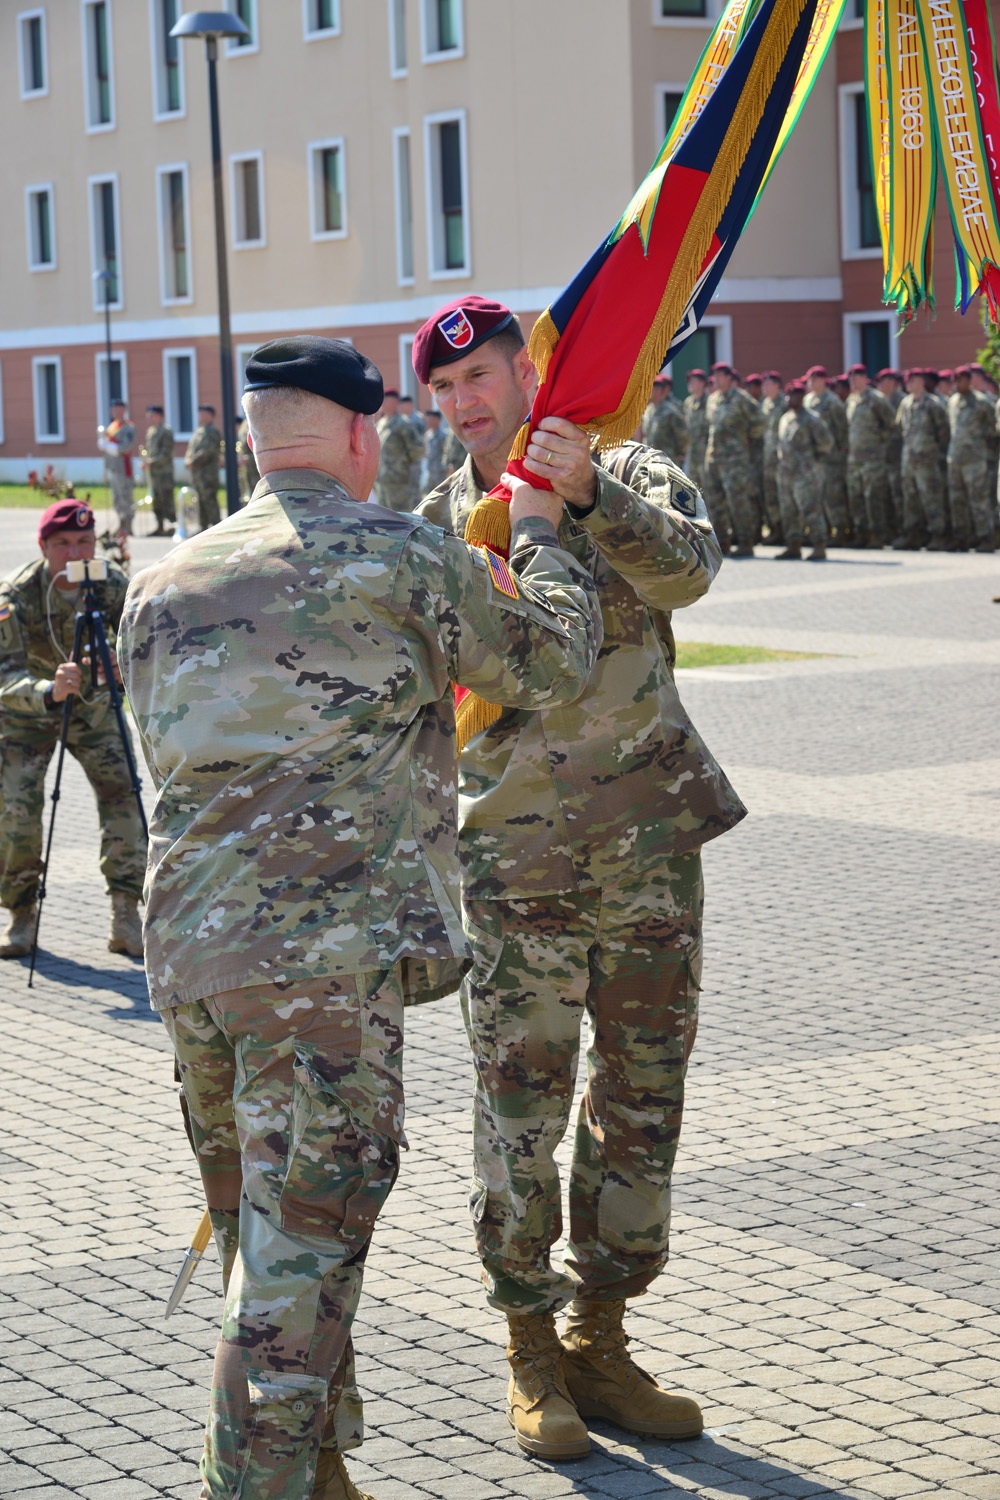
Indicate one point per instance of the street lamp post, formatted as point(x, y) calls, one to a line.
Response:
point(211, 24)
point(105, 278)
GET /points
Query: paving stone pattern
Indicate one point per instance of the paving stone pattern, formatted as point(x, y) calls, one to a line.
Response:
point(834, 1292)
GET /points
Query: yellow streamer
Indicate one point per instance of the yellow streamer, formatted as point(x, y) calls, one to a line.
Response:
point(912, 167)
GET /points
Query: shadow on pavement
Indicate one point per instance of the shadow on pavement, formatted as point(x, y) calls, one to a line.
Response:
point(57, 971)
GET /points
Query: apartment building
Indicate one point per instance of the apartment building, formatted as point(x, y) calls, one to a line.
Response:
point(381, 157)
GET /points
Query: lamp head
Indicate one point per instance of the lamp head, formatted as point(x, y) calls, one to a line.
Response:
point(209, 23)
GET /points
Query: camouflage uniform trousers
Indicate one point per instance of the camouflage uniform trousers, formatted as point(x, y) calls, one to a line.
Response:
point(631, 960)
point(834, 496)
point(731, 494)
point(971, 499)
point(23, 763)
point(398, 496)
point(772, 502)
point(161, 487)
point(925, 499)
point(294, 1097)
point(205, 478)
point(802, 511)
point(868, 496)
point(122, 494)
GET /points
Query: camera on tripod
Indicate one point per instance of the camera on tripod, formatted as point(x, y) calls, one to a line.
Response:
point(87, 570)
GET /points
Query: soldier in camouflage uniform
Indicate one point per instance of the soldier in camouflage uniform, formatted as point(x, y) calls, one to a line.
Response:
point(246, 464)
point(803, 445)
point(973, 426)
point(37, 616)
point(980, 385)
point(203, 457)
point(890, 385)
point(923, 421)
point(735, 427)
point(303, 875)
point(433, 470)
point(773, 404)
point(157, 453)
point(663, 424)
point(401, 451)
point(695, 415)
point(822, 401)
point(580, 838)
point(871, 425)
point(116, 442)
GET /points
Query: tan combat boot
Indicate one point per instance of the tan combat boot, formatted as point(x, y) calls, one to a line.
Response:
point(17, 940)
point(332, 1480)
point(605, 1381)
point(539, 1407)
point(125, 935)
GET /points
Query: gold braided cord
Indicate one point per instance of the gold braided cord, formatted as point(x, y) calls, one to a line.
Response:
point(542, 342)
point(472, 716)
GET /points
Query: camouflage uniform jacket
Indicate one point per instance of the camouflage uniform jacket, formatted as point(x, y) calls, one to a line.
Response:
point(923, 421)
point(871, 423)
point(803, 439)
point(454, 453)
point(973, 427)
point(289, 673)
point(157, 451)
point(434, 465)
point(664, 427)
point(697, 430)
point(28, 659)
point(735, 425)
point(773, 408)
point(600, 791)
point(204, 451)
point(121, 437)
point(401, 449)
point(834, 413)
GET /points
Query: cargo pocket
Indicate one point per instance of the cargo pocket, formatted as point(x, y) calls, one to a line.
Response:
point(279, 1436)
point(340, 1170)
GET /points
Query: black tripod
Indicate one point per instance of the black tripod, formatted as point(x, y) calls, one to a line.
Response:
point(89, 619)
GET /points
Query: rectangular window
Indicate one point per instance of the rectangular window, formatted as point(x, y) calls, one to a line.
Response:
point(397, 38)
point(181, 393)
point(47, 381)
point(669, 103)
point(32, 51)
point(168, 78)
point(247, 12)
point(859, 220)
point(41, 228)
point(115, 389)
point(321, 18)
point(175, 234)
point(668, 9)
point(447, 194)
point(442, 29)
point(105, 241)
point(404, 206)
point(97, 63)
point(247, 191)
point(327, 194)
point(868, 238)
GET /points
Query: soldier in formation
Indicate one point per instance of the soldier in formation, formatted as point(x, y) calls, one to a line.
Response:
point(203, 457)
point(38, 606)
point(822, 402)
point(580, 838)
point(732, 468)
point(773, 404)
point(157, 453)
point(246, 464)
point(973, 421)
point(663, 424)
point(433, 469)
point(117, 441)
point(402, 448)
point(804, 443)
point(696, 418)
point(871, 424)
point(923, 421)
point(297, 900)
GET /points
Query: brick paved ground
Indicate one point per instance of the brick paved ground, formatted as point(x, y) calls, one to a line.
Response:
point(834, 1292)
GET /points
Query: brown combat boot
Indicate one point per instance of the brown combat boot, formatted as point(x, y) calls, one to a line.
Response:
point(17, 940)
point(125, 935)
point(539, 1407)
point(605, 1381)
point(818, 554)
point(332, 1480)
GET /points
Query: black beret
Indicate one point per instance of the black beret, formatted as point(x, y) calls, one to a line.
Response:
point(328, 367)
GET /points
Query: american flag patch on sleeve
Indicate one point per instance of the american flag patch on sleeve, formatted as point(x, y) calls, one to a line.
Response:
point(5, 612)
point(503, 578)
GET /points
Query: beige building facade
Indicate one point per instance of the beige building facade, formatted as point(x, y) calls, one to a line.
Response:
point(381, 157)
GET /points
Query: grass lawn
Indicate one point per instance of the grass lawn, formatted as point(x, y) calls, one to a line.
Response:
point(23, 497)
point(706, 654)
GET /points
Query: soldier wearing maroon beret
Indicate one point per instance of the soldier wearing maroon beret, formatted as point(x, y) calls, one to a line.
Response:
point(824, 403)
point(38, 606)
point(773, 405)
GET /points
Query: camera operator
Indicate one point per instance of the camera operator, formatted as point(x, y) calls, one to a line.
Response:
point(38, 606)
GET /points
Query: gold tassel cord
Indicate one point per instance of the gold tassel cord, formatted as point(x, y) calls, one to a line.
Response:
point(472, 716)
point(488, 526)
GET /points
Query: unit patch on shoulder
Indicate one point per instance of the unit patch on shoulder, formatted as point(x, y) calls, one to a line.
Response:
point(503, 578)
point(684, 501)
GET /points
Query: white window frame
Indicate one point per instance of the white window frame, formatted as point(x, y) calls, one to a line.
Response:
point(394, 71)
point(88, 77)
point(713, 10)
point(233, 48)
point(159, 66)
point(427, 20)
point(181, 434)
point(402, 132)
point(166, 300)
point(3, 433)
point(408, 383)
point(236, 203)
point(852, 337)
point(432, 188)
point(660, 91)
point(241, 354)
point(850, 228)
point(312, 34)
point(312, 152)
point(850, 23)
point(97, 261)
point(36, 364)
point(22, 53)
point(31, 192)
point(119, 357)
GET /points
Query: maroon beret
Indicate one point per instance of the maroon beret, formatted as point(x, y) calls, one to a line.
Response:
point(65, 515)
point(817, 370)
point(721, 368)
point(772, 375)
point(963, 370)
point(977, 369)
point(697, 373)
point(755, 376)
point(858, 370)
point(946, 374)
point(795, 385)
point(457, 329)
